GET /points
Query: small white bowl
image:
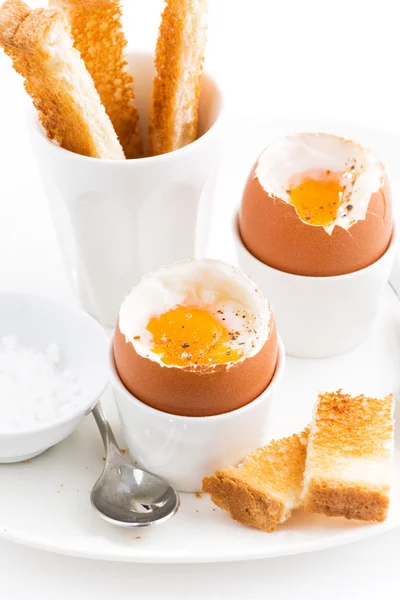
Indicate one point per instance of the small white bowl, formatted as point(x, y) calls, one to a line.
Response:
point(183, 450)
point(39, 322)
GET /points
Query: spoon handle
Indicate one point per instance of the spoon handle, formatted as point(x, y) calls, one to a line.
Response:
point(109, 440)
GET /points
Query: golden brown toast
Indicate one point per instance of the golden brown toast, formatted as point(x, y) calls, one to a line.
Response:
point(266, 487)
point(179, 66)
point(349, 456)
point(12, 15)
point(98, 35)
point(63, 92)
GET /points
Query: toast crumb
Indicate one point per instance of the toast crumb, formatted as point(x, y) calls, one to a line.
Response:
point(179, 66)
point(266, 487)
point(98, 35)
point(349, 457)
point(40, 46)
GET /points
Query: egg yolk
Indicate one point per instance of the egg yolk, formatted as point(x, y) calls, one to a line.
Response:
point(317, 200)
point(191, 336)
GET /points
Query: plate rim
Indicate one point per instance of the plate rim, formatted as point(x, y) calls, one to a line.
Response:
point(369, 530)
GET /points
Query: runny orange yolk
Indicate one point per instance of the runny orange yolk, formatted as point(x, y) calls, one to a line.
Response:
point(317, 200)
point(191, 336)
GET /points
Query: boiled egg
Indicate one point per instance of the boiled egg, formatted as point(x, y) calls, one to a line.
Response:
point(196, 338)
point(316, 205)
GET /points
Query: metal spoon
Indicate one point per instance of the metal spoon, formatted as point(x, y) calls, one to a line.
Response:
point(126, 495)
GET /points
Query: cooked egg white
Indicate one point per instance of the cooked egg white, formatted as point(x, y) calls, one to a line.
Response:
point(194, 314)
point(329, 180)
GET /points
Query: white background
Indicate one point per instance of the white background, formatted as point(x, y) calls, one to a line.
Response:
point(336, 59)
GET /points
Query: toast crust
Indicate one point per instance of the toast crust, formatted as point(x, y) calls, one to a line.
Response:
point(244, 503)
point(266, 487)
point(349, 501)
point(24, 35)
point(179, 66)
point(98, 35)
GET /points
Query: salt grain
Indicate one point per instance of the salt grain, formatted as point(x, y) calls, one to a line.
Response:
point(34, 390)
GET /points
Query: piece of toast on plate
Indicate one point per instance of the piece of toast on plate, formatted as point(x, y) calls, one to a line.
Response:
point(97, 32)
point(70, 109)
point(179, 66)
point(349, 457)
point(266, 487)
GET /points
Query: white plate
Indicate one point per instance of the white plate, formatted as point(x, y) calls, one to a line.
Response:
point(45, 503)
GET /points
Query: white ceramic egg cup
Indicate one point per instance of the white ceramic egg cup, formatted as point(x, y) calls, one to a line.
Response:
point(38, 322)
point(183, 450)
point(319, 317)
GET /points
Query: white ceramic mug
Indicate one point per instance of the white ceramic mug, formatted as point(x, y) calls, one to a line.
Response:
point(118, 220)
point(183, 450)
point(319, 317)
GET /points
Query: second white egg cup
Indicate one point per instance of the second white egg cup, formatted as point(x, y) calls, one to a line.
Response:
point(184, 450)
point(319, 317)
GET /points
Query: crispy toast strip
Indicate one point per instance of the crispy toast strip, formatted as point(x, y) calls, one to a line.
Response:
point(179, 66)
point(349, 457)
point(70, 110)
point(13, 15)
point(98, 35)
point(266, 487)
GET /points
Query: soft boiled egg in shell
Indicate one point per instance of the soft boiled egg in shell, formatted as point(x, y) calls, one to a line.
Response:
point(196, 338)
point(316, 205)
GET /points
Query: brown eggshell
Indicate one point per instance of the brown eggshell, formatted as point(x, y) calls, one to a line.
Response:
point(272, 231)
point(189, 393)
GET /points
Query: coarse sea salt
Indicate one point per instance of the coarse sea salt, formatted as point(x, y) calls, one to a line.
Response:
point(34, 390)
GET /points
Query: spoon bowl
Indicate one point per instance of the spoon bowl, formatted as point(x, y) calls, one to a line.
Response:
point(126, 495)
